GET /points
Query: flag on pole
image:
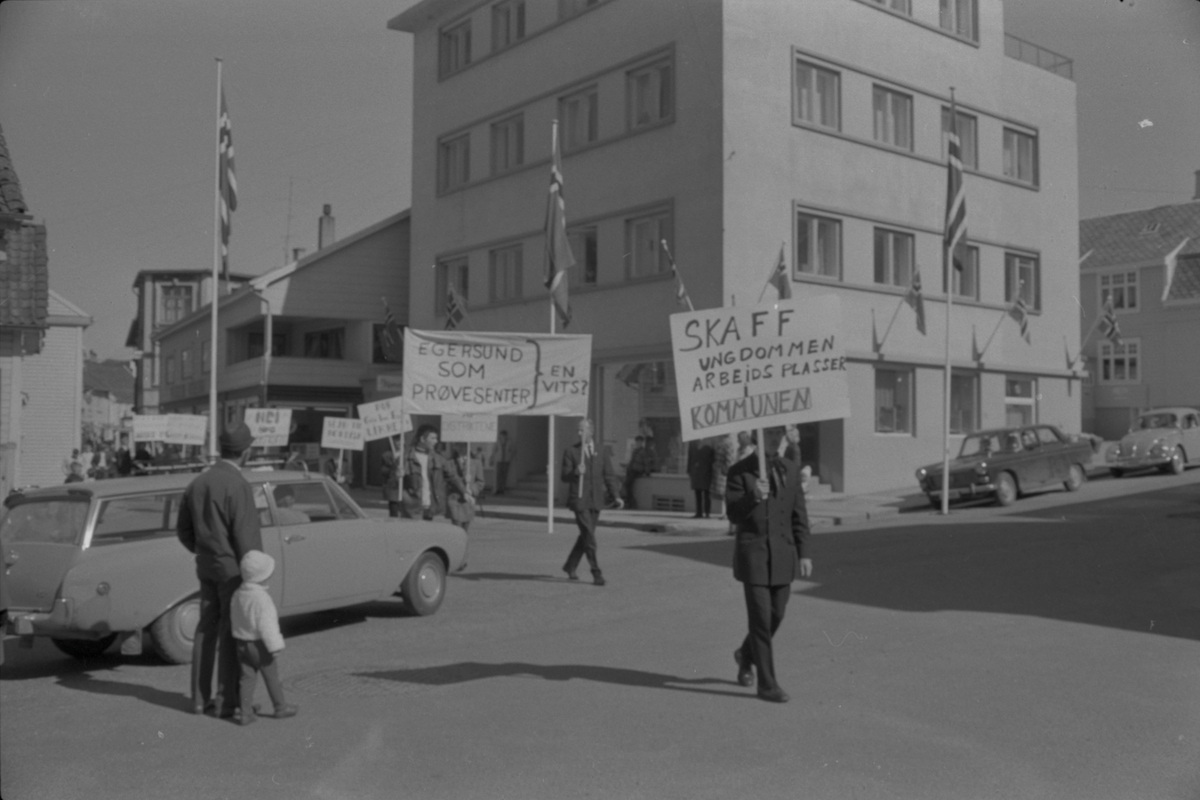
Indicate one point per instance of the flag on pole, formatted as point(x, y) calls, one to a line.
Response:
point(1108, 323)
point(226, 182)
point(391, 340)
point(681, 295)
point(780, 278)
point(915, 299)
point(456, 307)
point(956, 199)
point(1020, 312)
point(1170, 262)
point(558, 249)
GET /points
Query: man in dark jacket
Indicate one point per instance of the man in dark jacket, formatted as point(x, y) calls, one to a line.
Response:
point(770, 552)
point(590, 479)
point(219, 523)
point(426, 475)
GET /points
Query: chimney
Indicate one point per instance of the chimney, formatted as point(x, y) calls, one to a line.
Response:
point(297, 253)
point(1197, 195)
point(325, 231)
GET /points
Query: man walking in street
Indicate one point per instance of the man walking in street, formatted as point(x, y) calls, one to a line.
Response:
point(590, 479)
point(219, 523)
point(770, 552)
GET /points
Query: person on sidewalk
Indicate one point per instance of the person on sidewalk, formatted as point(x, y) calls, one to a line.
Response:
point(255, 624)
point(391, 482)
point(771, 550)
point(219, 523)
point(701, 456)
point(590, 480)
point(506, 451)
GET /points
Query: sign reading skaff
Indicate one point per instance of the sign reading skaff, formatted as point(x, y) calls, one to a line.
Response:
point(384, 418)
point(469, 427)
point(774, 364)
point(341, 433)
point(464, 372)
point(270, 427)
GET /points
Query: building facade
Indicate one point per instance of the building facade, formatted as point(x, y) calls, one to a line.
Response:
point(107, 400)
point(1155, 362)
point(728, 129)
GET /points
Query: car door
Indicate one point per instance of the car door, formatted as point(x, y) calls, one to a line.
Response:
point(40, 538)
point(1032, 467)
point(331, 555)
point(1055, 454)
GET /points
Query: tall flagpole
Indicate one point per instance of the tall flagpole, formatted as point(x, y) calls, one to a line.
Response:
point(550, 418)
point(212, 341)
point(946, 267)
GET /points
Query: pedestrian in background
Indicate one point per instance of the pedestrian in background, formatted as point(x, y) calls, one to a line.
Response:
point(771, 550)
point(424, 479)
point(701, 456)
point(87, 457)
point(590, 481)
point(391, 482)
point(460, 496)
point(219, 523)
point(255, 624)
point(724, 452)
point(506, 451)
point(69, 462)
point(642, 462)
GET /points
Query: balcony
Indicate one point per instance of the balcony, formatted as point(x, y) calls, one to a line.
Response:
point(1030, 53)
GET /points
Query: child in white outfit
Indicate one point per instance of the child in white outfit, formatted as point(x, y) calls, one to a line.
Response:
point(255, 623)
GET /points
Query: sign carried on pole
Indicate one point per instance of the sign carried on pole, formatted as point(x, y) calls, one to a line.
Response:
point(186, 429)
point(469, 427)
point(778, 363)
point(341, 433)
point(384, 418)
point(149, 427)
point(528, 374)
point(269, 426)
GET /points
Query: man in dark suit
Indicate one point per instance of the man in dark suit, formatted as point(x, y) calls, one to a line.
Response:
point(219, 523)
point(771, 551)
point(590, 480)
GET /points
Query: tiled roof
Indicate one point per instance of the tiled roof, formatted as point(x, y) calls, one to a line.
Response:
point(110, 376)
point(11, 201)
point(1186, 285)
point(24, 284)
point(1137, 237)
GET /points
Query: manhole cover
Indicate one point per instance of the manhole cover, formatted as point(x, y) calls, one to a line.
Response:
point(355, 682)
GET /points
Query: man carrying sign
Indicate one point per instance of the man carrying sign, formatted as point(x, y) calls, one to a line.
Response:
point(770, 552)
point(590, 479)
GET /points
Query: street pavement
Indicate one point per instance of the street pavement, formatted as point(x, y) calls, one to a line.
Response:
point(1046, 650)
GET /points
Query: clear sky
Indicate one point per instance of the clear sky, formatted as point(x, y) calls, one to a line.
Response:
point(109, 110)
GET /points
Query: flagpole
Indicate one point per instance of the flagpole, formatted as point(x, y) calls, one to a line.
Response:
point(550, 448)
point(946, 376)
point(212, 338)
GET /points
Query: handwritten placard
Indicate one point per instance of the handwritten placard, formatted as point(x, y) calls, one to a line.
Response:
point(269, 426)
point(342, 433)
point(384, 418)
point(469, 427)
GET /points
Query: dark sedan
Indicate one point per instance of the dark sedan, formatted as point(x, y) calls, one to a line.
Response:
point(1006, 462)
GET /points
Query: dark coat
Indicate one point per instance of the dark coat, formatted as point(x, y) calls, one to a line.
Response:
point(700, 466)
point(772, 534)
point(391, 477)
point(440, 473)
point(218, 521)
point(599, 482)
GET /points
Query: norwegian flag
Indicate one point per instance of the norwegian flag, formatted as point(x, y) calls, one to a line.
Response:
point(558, 248)
point(1020, 312)
point(456, 308)
point(917, 300)
point(681, 295)
point(780, 278)
point(956, 199)
point(391, 340)
point(226, 182)
point(1108, 323)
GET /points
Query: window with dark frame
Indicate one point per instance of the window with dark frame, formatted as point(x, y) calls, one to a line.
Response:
point(504, 273)
point(454, 162)
point(508, 144)
point(1020, 156)
point(959, 17)
point(583, 247)
point(254, 344)
point(650, 94)
point(964, 403)
point(325, 344)
point(1020, 401)
point(579, 115)
point(508, 23)
point(893, 400)
point(893, 257)
point(892, 112)
point(966, 281)
point(454, 48)
point(1120, 363)
point(1022, 279)
point(818, 246)
point(1122, 287)
point(177, 302)
point(968, 137)
point(643, 244)
point(452, 270)
point(818, 96)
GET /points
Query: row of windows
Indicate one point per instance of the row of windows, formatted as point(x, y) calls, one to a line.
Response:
point(317, 344)
point(1120, 363)
point(649, 99)
point(896, 398)
point(959, 17)
point(817, 101)
point(507, 28)
point(819, 253)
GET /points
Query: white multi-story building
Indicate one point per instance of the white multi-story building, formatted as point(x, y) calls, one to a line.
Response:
point(728, 129)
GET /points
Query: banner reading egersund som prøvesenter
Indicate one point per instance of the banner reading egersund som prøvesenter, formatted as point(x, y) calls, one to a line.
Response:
point(779, 363)
point(466, 372)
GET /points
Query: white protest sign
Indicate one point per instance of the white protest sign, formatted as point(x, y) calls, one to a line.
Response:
point(739, 369)
point(384, 418)
point(389, 382)
point(149, 427)
point(341, 433)
point(469, 427)
point(531, 374)
point(270, 427)
point(186, 429)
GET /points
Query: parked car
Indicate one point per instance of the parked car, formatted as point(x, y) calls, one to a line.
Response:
point(1006, 462)
point(1167, 438)
point(93, 561)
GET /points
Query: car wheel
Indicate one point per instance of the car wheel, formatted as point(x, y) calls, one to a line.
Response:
point(425, 585)
point(85, 648)
point(1006, 489)
point(1175, 465)
point(1075, 478)
point(1116, 473)
point(171, 635)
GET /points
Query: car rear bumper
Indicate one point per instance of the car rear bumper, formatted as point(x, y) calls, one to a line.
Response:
point(56, 622)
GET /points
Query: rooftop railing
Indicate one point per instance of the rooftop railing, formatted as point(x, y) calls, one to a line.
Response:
point(1030, 53)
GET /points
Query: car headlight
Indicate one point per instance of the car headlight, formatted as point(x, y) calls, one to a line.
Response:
point(981, 470)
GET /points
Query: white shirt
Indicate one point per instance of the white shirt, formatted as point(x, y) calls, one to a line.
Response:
point(426, 494)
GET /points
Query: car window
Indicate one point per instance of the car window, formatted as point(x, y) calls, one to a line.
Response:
point(1012, 443)
point(286, 511)
point(260, 503)
point(1191, 421)
point(311, 499)
point(140, 516)
point(1029, 440)
point(980, 446)
point(1157, 421)
point(1047, 436)
point(345, 506)
point(52, 521)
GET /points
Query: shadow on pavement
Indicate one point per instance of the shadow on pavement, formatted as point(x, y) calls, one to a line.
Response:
point(509, 576)
point(464, 671)
point(1130, 563)
point(85, 682)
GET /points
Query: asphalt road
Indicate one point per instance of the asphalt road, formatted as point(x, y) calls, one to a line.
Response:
point(1048, 650)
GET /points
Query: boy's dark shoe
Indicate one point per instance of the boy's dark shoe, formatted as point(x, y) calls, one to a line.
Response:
point(286, 710)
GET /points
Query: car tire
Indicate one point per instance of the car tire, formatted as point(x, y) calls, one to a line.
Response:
point(1006, 489)
point(1176, 465)
point(1116, 473)
point(1075, 478)
point(85, 648)
point(172, 634)
point(424, 587)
